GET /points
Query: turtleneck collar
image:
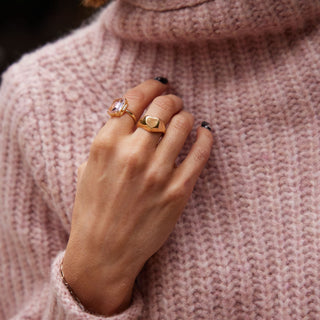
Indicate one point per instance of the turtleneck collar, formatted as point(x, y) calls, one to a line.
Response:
point(168, 21)
point(165, 5)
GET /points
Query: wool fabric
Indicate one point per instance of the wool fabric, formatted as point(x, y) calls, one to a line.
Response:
point(247, 245)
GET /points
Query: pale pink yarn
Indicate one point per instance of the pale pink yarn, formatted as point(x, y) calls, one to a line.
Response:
point(248, 244)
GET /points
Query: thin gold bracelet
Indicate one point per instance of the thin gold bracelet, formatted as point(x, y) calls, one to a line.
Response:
point(73, 295)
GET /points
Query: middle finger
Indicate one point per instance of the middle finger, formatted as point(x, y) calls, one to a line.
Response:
point(164, 108)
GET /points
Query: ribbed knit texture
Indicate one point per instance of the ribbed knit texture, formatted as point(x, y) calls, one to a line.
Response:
point(247, 246)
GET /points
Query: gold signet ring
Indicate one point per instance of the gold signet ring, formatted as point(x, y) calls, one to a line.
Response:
point(119, 107)
point(152, 124)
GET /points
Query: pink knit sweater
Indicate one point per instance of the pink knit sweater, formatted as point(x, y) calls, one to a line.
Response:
point(248, 244)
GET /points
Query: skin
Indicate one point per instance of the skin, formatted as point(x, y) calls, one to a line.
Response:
point(129, 197)
point(94, 3)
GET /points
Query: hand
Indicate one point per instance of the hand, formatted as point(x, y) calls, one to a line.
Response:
point(129, 197)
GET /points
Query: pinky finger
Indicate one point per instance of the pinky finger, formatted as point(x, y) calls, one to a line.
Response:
point(190, 169)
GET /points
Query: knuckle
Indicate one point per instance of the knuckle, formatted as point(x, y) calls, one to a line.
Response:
point(164, 102)
point(150, 182)
point(176, 99)
point(201, 154)
point(100, 145)
point(132, 160)
point(155, 177)
point(182, 122)
point(135, 94)
point(176, 193)
point(97, 145)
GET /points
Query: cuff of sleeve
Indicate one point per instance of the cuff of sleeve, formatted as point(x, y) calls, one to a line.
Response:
point(63, 303)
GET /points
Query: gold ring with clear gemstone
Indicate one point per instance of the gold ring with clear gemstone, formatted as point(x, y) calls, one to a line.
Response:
point(152, 124)
point(119, 107)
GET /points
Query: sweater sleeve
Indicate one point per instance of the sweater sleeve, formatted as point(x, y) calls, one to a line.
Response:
point(62, 303)
point(34, 227)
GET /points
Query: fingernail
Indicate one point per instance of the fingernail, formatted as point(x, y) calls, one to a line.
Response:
point(206, 125)
point(161, 79)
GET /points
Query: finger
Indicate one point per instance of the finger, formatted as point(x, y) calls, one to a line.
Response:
point(164, 108)
point(189, 170)
point(175, 137)
point(81, 170)
point(138, 99)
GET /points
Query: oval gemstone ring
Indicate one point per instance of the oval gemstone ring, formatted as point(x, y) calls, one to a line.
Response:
point(119, 107)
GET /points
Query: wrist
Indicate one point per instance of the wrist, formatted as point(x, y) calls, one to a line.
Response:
point(97, 295)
